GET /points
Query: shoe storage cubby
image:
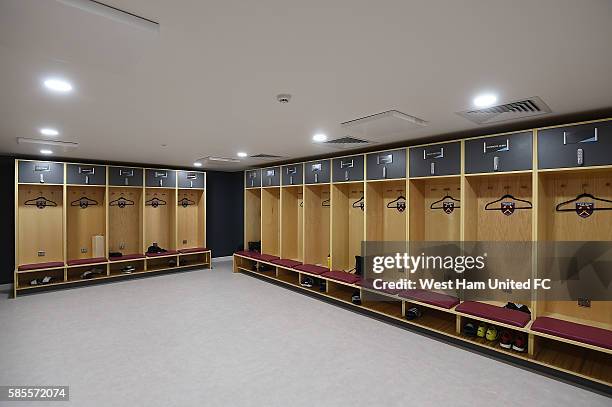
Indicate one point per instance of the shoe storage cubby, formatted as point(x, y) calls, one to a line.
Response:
point(86, 222)
point(162, 263)
point(292, 223)
point(160, 217)
point(125, 220)
point(252, 216)
point(40, 223)
point(502, 339)
point(559, 187)
point(126, 267)
point(317, 208)
point(190, 218)
point(348, 208)
point(69, 218)
point(270, 221)
point(500, 193)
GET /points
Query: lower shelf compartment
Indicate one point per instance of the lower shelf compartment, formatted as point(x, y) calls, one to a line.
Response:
point(24, 280)
point(195, 259)
point(76, 274)
point(288, 276)
point(162, 263)
point(382, 304)
point(340, 291)
point(127, 268)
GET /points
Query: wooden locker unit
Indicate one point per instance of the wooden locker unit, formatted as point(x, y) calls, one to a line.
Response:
point(252, 216)
point(270, 221)
point(125, 220)
point(386, 210)
point(432, 216)
point(348, 209)
point(160, 219)
point(291, 226)
point(317, 208)
point(191, 225)
point(85, 218)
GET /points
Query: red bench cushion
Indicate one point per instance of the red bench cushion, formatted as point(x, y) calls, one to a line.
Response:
point(77, 262)
point(312, 269)
point(369, 283)
point(166, 253)
point(35, 266)
point(499, 314)
point(247, 253)
point(576, 332)
point(193, 250)
point(268, 257)
point(133, 256)
point(431, 297)
point(286, 262)
point(341, 276)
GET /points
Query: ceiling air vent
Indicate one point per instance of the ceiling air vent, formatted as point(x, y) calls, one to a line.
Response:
point(346, 142)
point(519, 109)
point(263, 156)
point(384, 125)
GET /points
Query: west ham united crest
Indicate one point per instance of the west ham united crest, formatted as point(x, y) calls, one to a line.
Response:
point(401, 206)
point(584, 209)
point(507, 208)
point(448, 207)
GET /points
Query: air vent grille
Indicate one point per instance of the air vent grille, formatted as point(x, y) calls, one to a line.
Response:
point(518, 109)
point(347, 140)
point(265, 156)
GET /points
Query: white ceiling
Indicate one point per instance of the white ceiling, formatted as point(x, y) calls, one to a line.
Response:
point(206, 84)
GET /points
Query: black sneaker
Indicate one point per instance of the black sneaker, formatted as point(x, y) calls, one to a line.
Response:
point(356, 298)
point(307, 282)
point(525, 309)
point(413, 313)
point(511, 305)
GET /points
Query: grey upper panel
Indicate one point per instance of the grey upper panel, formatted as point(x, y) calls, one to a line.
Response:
point(511, 152)
point(125, 176)
point(270, 177)
point(348, 168)
point(85, 174)
point(41, 172)
point(160, 178)
point(252, 178)
point(317, 172)
point(292, 174)
point(387, 164)
point(191, 179)
point(436, 160)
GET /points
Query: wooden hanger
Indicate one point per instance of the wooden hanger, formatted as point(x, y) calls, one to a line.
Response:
point(185, 202)
point(326, 203)
point(40, 202)
point(583, 209)
point(508, 208)
point(400, 203)
point(84, 202)
point(155, 202)
point(359, 203)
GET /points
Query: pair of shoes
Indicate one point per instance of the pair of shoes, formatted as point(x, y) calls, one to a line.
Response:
point(469, 329)
point(42, 281)
point(516, 342)
point(413, 313)
point(518, 307)
point(128, 269)
point(489, 332)
point(307, 282)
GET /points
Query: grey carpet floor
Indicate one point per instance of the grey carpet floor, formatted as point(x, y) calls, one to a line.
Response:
point(213, 338)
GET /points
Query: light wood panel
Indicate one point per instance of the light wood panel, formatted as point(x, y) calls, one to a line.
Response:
point(160, 222)
point(316, 224)
point(40, 230)
point(270, 221)
point(84, 223)
point(252, 216)
point(291, 223)
point(433, 224)
point(190, 219)
point(383, 223)
point(125, 224)
point(347, 228)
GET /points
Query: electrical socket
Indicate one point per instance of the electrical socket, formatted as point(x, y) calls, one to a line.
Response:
point(83, 250)
point(41, 253)
point(584, 302)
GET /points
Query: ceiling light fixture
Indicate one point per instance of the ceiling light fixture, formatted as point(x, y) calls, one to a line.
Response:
point(197, 164)
point(46, 152)
point(58, 85)
point(319, 138)
point(485, 100)
point(49, 132)
point(241, 154)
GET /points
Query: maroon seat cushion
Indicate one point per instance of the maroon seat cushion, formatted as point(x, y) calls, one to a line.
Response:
point(312, 269)
point(166, 253)
point(495, 313)
point(286, 263)
point(35, 266)
point(248, 253)
point(267, 257)
point(431, 297)
point(77, 262)
point(193, 250)
point(341, 276)
point(369, 283)
point(132, 256)
point(576, 332)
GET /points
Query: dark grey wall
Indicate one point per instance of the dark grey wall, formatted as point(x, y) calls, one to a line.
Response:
point(224, 215)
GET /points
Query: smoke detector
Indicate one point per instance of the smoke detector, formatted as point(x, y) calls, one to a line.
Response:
point(283, 98)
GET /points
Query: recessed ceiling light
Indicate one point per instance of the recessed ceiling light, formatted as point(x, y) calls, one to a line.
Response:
point(49, 132)
point(58, 85)
point(46, 152)
point(197, 164)
point(485, 100)
point(319, 137)
point(241, 154)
